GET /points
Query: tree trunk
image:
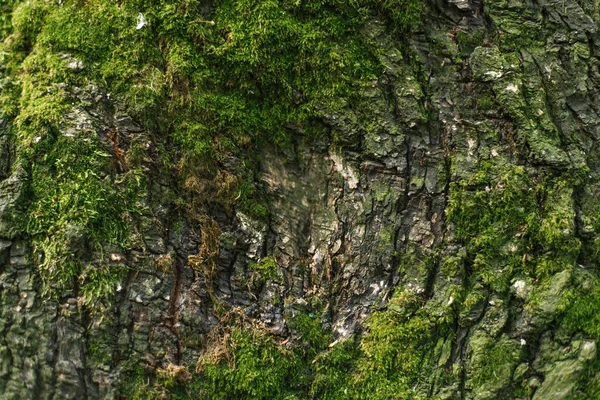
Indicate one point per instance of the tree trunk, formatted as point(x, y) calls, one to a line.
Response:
point(432, 233)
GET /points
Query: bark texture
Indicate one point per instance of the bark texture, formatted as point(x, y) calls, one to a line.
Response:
point(450, 212)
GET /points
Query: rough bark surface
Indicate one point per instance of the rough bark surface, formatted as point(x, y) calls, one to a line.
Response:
point(484, 125)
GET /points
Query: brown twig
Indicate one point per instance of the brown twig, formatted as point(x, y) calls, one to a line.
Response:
point(201, 21)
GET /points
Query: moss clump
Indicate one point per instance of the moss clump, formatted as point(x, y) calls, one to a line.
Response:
point(493, 362)
point(75, 205)
point(332, 379)
point(393, 350)
point(239, 73)
point(580, 305)
point(406, 15)
point(6, 8)
point(209, 85)
point(514, 223)
point(468, 41)
point(240, 361)
point(264, 270)
point(261, 369)
point(74, 210)
point(260, 366)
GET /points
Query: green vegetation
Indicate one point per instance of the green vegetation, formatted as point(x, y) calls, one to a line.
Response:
point(264, 270)
point(518, 223)
point(74, 208)
point(209, 86)
point(240, 362)
point(493, 361)
point(263, 370)
point(580, 303)
point(406, 15)
point(247, 362)
point(395, 350)
point(206, 85)
point(513, 222)
point(468, 41)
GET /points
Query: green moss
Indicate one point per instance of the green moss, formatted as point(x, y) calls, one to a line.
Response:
point(386, 237)
point(262, 371)
point(141, 383)
point(253, 201)
point(493, 362)
point(406, 15)
point(579, 305)
point(474, 298)
point(333, 379)
point(99, 352)
point(394, 348)
point(238, 74)
point(581, 314)
point(381, 191)
point(262, 368)
point(486, 103)
point(518, 26)
point(27, 21)
point(512, 223)
point(6, 8)
point(74, 209)
point(416, 182)
point(467, 41)
point(212, 85)
point(388, 362)
point(314, 337)
point(208, 87)
point(265, 270)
